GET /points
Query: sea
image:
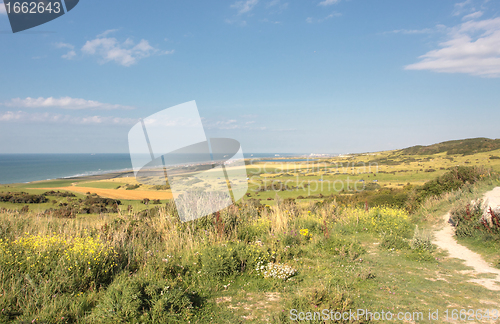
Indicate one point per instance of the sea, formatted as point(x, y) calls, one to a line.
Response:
point(21, 168)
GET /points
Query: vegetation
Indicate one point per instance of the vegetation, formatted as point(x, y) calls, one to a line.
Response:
point(305, 248)
point(465, 147)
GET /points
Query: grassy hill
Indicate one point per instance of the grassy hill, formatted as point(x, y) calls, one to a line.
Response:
point(465, 146)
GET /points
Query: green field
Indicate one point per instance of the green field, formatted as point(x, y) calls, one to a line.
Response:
point(101, 184)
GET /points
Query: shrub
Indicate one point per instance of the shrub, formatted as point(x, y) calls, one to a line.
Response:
point(249, 232)
point(22, 198)
point(248, 255)
point(291, 239)
point(471, 221)
point(421, 241)
point(343, 247)
point(59, 194)
point(139, 299)
point(382, 220)
point(219, 261)
point(420, 256)
point(393, 241)
point(77, 263)
point(450, 181)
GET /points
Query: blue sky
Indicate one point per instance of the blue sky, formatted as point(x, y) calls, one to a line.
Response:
point(327, 76)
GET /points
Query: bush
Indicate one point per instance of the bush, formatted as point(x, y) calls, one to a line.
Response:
point(421, 241)
point(57, 264)
point(249, 232)
point(59, 194)
point(383, 220)
point(450, 181)
point(219, 261)
point(22, 198)
point(343, 247)
point(139, 299)
point(248, 255)
point(420, 256)
point(393, 241)
point(132, 187)
point(471, 221)
point(291, 239)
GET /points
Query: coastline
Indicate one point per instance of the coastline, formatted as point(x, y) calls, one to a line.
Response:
point(34, 165)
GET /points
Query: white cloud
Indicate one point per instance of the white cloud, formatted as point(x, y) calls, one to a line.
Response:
point(126, 53)
point(461, 7)
point(70, 55)
point(232, 124)
point(473, 15)
point(107, 32)
point(244, 6)
point(312, 20)
point(110, 49)
point(411, 31)
point(64, 45)
point(236, 22)
point(473, 47)
point(328, 2)
point(277, 4)
point(2, 9)
point(22, 116)
point(64, 103)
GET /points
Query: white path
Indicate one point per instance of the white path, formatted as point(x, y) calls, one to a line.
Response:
point(445, 240)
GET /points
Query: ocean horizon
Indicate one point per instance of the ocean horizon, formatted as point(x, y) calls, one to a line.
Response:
point(28, 167)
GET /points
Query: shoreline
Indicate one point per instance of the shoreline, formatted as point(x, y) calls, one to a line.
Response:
point(122, 173)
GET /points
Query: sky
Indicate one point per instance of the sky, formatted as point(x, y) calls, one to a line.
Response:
point(280, 76)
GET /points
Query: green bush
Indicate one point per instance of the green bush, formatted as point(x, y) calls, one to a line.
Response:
point(343, 247)
point(311, 224)
point(219, 261)
point(291, 239)
point(420, 256)
point(248, 255)
point(139, 299)
point(469, 222)
point(450, 181)
point(75, 263)
point(393, 241)
point(421, 241)
point(248, 232)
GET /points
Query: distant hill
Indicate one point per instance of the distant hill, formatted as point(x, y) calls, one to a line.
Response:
point(465, 147)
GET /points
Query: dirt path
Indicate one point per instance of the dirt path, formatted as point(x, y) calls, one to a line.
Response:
point(445, 240)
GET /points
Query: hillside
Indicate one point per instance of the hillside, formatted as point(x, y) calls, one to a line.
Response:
point(464, 146)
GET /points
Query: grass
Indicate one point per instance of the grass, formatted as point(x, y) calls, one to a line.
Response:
point(200, 272)
point(101, 184)
point(318, 253)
